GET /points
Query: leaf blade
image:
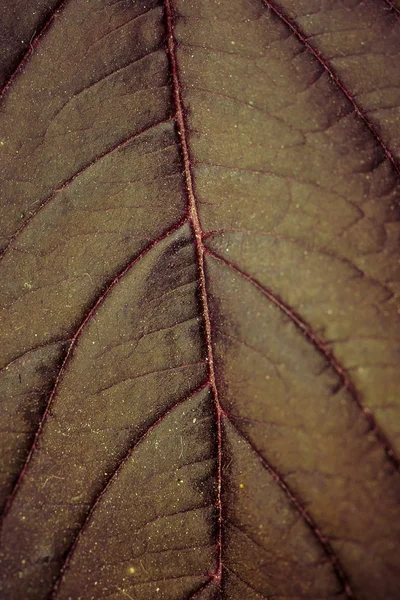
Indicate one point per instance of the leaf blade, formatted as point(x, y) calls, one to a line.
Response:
point(265, 224)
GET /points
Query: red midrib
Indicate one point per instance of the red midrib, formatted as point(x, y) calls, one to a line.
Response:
point(198, 233)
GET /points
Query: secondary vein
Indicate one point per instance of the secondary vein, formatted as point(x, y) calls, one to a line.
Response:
point(301, 36)
point(68, 355)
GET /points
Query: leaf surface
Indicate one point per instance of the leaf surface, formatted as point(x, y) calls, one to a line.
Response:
point(200, 300)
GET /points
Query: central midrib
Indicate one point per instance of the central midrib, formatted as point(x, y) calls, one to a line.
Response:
point(200, 250)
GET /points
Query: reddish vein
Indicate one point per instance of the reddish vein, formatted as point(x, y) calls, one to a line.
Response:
point(68, 356)
point(300, 508)
point(32, 45)
point(70, 180)
point(111, 479)
point(322, 348)
point(200, 249)
point(201, 590)
point(392, 6)
point(33, 350)
point(302, 37)
point(246, 583)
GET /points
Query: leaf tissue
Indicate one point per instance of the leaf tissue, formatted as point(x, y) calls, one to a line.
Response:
point(200, 299)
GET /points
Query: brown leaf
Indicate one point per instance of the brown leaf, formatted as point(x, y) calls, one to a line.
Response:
point(200, 287)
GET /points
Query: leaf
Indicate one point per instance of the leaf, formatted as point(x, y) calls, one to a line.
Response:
point(200, 275)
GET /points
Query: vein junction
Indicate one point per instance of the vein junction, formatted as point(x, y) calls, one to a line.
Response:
point(200, 249)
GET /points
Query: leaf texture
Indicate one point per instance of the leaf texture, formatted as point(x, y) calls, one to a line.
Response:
point(200, 300)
